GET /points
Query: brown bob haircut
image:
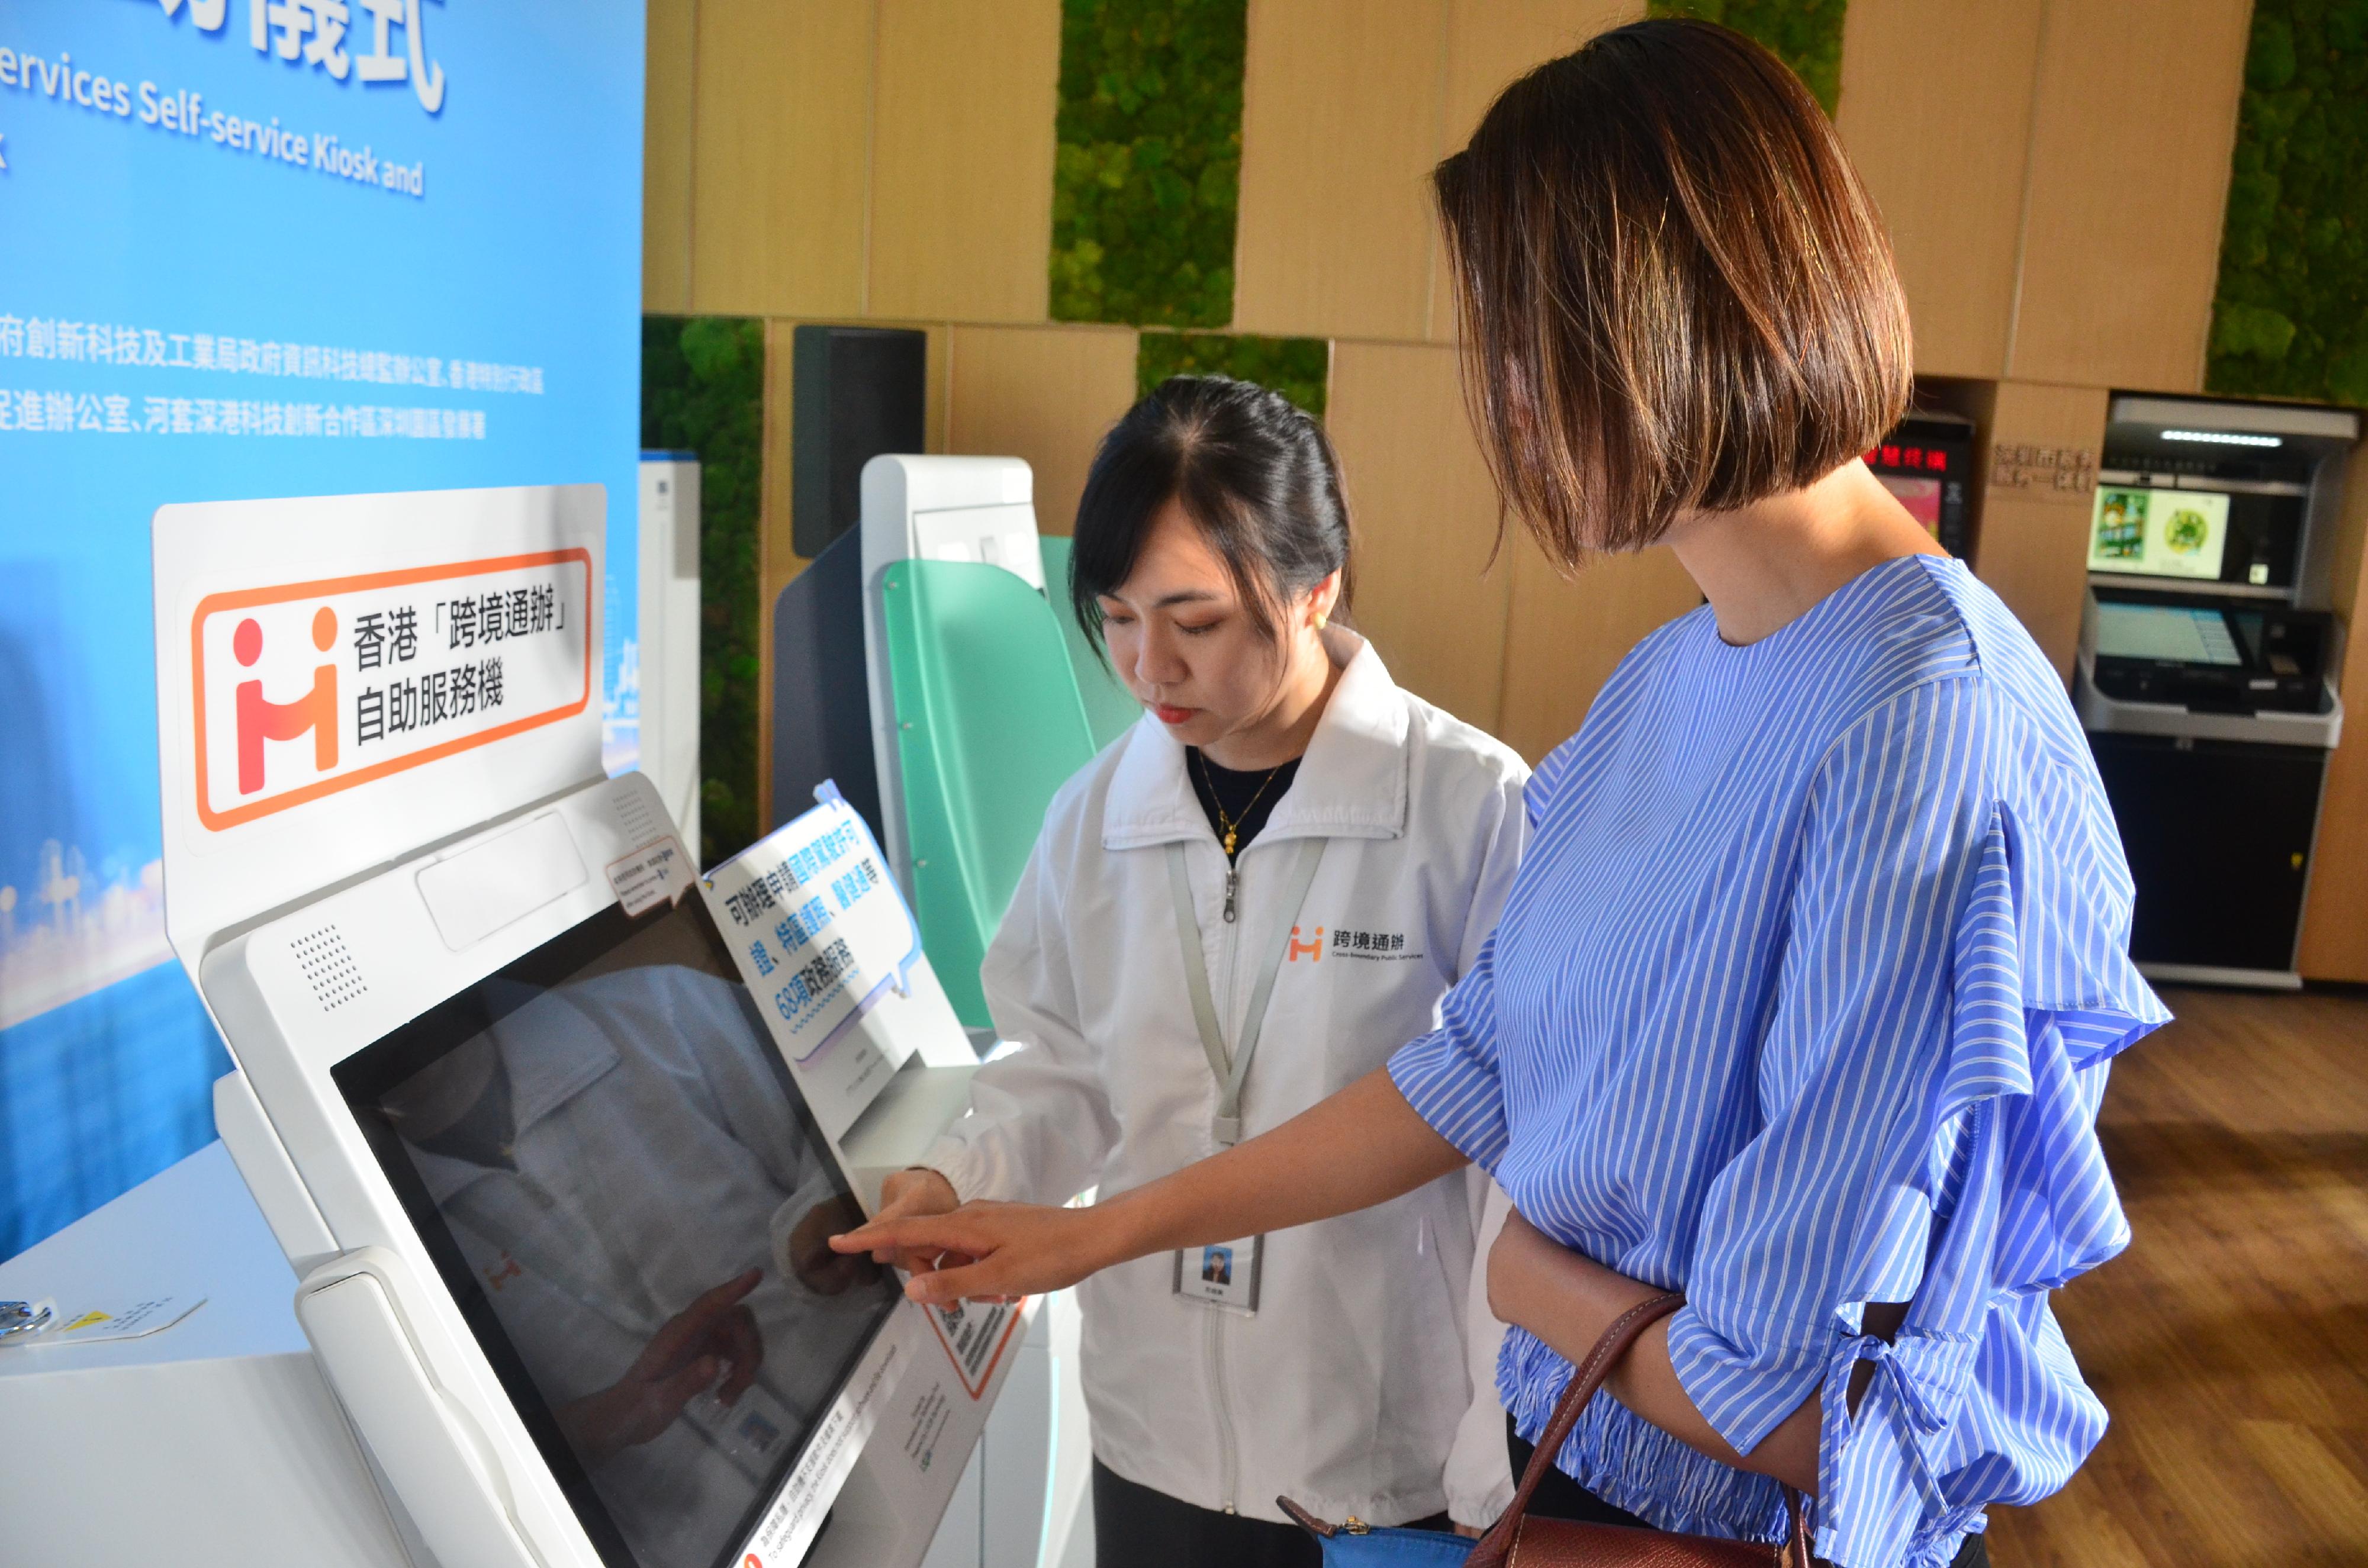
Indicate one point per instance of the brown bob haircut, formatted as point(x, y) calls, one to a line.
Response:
point(1675, 294)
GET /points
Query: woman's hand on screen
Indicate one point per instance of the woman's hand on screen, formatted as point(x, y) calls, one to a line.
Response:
point(914, 1194)
point(985, 1251)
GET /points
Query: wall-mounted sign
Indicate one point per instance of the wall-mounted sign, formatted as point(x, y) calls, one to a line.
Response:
point(255, 249)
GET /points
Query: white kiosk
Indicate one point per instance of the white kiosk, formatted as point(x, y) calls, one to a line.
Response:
point(668, 621)
point(553, 1176)
point(979, 510)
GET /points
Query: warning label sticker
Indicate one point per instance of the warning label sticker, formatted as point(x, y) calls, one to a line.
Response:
point(974, 1334)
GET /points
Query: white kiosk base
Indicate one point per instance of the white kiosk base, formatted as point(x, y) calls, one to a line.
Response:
point(215, 1443)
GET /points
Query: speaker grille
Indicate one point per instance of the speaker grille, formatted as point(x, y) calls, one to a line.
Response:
point(328, 967)
point(634, 815)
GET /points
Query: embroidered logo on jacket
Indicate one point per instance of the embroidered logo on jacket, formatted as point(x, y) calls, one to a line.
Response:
point(1386, 946)
point(1345, 943)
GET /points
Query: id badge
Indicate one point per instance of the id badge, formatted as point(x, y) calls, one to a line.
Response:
point(1222, 1274)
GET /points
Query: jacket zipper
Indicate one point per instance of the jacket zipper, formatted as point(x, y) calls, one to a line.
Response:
point(1228, 1454)
point(1228, 1459)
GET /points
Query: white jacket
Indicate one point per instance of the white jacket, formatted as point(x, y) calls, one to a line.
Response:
point(1347, 1388)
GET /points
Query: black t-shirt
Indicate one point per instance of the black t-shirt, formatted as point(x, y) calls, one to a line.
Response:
point(1245, 800)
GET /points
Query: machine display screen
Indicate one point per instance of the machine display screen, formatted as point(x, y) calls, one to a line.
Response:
point(2159, 533)
point(1920, 495)
point(2174, 632)
point(602, 1151)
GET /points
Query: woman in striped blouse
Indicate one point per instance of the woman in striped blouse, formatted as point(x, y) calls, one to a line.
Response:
point(1803, 999)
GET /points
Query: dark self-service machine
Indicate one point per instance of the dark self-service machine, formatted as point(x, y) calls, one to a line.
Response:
point(2206, 647)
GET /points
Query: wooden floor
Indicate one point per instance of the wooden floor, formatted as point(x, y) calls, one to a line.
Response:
point(2230, 1342)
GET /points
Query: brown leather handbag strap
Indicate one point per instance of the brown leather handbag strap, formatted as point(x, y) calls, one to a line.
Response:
point(1497, 1545)
point(1496, 1548)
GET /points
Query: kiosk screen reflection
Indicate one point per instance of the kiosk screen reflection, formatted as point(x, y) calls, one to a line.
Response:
point(603, 1153)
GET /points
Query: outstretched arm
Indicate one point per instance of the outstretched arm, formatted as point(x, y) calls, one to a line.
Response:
point(1362, 1146)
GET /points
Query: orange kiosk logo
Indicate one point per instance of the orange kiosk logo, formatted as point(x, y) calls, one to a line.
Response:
point(261, 720)
point(381, 672)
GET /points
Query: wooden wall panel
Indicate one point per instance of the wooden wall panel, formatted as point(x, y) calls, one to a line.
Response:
point(2135, 122)
point(667, 140)
point(2034, 547)
point(1566, 635)
point(1489, 43)
point(1339, 120)
point(1045, 393)
point(1424, 513)
point(961, 205)
point(2335, 920)
point(1936, 113)
point(781, 179)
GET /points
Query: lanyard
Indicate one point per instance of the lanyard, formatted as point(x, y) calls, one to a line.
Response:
point(1231, 1068)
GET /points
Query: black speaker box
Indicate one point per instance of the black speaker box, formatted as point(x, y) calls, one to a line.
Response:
point(857, 392)
point(822, 712)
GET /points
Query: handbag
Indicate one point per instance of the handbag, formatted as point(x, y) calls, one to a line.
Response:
point(1515, 1540)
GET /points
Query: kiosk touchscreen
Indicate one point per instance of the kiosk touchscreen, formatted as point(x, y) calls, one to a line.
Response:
point(2236, 656)
point(616, 1181)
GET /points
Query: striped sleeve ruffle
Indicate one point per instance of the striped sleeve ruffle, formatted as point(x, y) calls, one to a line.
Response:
point(2026, 1205)
point(1935, 1075)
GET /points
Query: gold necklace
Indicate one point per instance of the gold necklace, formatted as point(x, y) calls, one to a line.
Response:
point(1230, 823)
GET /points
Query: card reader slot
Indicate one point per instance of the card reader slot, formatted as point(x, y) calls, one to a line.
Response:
point(475, 892)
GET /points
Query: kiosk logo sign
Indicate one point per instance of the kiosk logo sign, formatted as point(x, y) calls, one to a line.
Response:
point(306, 688)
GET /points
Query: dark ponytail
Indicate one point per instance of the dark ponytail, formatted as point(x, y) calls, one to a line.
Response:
point(1250, 468)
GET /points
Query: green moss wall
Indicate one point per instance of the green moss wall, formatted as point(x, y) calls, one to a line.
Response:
point(1298, 368)
point(2290, 318)
point(704, 391)
point(1804, 34)
point(1148, 161)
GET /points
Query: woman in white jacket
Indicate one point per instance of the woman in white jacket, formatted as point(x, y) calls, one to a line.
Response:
point(1324, 853)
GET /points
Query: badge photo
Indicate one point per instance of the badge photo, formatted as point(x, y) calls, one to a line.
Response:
point(1222, 1274)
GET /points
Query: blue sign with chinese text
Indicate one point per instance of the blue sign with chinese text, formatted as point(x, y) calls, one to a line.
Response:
point(257, 248)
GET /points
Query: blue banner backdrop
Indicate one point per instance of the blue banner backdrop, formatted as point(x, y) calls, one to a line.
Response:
point(256, 248)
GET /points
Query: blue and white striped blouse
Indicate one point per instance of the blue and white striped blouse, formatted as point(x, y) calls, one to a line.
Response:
point(1803, 999)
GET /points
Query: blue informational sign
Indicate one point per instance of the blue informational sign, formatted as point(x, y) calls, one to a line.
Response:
point(258, 248)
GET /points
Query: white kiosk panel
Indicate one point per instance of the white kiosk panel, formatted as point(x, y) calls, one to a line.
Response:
point(333, 645)
point(558, 1199)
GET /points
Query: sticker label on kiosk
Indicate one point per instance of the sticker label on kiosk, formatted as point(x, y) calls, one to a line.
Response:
point(974, 1334)
point(655, 873)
